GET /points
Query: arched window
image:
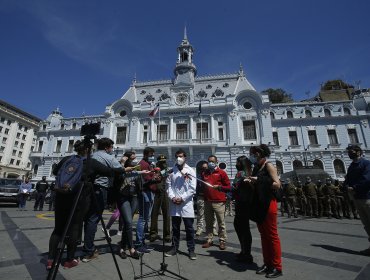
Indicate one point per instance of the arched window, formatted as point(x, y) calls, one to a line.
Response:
point(318, 164)
point(346, 111)
point(279, 167)
point(289, 114)
point(327, 113)
point(308, 114)
point(272, 115)
point(297, 164)
point(339, 168)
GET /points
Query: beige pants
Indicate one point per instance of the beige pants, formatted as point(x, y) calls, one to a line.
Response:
point(212, 210)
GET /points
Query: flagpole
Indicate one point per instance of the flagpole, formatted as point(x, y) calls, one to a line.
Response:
point(159, 124)
point(200, 118)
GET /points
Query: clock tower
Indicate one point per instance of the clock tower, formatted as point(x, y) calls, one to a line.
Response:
point(185, 70)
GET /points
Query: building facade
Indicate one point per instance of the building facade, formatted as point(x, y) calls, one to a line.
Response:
point(17, 140)
point(221, 115)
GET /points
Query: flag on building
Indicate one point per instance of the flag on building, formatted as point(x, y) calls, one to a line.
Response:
point(200, 108)
point(154, 111)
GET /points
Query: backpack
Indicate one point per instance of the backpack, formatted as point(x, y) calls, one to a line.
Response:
point(69, 175)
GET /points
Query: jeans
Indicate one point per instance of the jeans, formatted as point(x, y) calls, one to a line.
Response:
point(22, 200)
point(363, 208)
point(176, 223)
point(92, 219)
point(145, 201)
point(127, 206)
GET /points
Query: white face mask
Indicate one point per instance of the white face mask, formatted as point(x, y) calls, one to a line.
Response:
point(180, 161)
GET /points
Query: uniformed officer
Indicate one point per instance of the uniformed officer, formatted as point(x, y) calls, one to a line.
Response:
point(310, 192)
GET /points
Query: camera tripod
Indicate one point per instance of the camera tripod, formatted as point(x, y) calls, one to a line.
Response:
point(62, 242)
point(163, 266)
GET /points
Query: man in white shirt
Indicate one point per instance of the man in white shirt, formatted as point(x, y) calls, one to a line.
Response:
point(181, 185)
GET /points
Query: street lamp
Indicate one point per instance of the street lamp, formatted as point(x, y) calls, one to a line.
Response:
point(233, 150)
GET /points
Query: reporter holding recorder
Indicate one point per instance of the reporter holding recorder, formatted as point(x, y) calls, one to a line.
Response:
point(264, 209)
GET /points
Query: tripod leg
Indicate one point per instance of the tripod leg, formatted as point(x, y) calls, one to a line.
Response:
point(54, 268)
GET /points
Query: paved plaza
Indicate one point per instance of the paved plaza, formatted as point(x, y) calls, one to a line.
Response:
point(312, 249)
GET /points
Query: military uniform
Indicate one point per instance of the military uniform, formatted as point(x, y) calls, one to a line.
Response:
point(309, 190)
point(301, 199)
point(329, 191)
point(322, 209)
point(290, 193)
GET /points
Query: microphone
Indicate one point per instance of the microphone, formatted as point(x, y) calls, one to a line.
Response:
point(166, 172)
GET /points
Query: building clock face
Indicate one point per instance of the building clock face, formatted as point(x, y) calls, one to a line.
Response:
point(181, 99)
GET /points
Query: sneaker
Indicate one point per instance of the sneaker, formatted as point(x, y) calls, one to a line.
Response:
point(207, 244)
point(49, 264)
point(192, 255)
point(122, 254)
point(135, 255)
point(91, 257)
point(153, 238)
point(102, 229)
point(171, 252)
point(222, 245)
point(198, 232)
point(70, 264)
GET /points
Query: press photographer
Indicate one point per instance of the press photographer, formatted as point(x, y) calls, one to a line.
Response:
point(75, 177)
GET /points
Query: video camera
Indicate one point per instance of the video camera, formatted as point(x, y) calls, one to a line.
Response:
point(89, 130)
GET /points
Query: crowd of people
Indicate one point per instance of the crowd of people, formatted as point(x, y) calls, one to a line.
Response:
point(150, 187)
point(317, 199)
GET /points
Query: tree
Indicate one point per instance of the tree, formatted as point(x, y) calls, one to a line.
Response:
point(278, 95)
point(336, 85)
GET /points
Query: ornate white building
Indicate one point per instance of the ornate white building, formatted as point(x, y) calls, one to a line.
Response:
point(222, 115)
point(17, 140)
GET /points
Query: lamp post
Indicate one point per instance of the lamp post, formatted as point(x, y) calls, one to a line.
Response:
point(234, 150)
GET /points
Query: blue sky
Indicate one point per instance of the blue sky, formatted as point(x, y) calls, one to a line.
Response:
point(82, 55)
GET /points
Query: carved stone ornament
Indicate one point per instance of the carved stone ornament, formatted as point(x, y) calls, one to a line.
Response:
point(134, 120)
point(233, 114)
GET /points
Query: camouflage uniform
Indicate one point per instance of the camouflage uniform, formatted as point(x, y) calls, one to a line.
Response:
point(309, 190)
point(322, 209)
point(290, 193)
point(301, 199)
point(330, 199)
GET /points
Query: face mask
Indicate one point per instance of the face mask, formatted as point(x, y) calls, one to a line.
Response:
point(308, 181)
point(180, 161)
point(352, 155)
point(134, 162)
point(151, 159)
point(253, 159)
point(211, 166)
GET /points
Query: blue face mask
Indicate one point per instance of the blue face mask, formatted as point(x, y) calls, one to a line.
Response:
point(151, 159)
point(211, 166)
point(253, 159)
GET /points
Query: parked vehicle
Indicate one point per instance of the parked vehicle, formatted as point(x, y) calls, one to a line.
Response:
point(9, 188)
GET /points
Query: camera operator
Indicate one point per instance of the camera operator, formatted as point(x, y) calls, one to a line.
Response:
point(64, 203)
point(104, 155)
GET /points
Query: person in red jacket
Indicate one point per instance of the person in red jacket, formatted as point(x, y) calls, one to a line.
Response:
point(217, 184)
